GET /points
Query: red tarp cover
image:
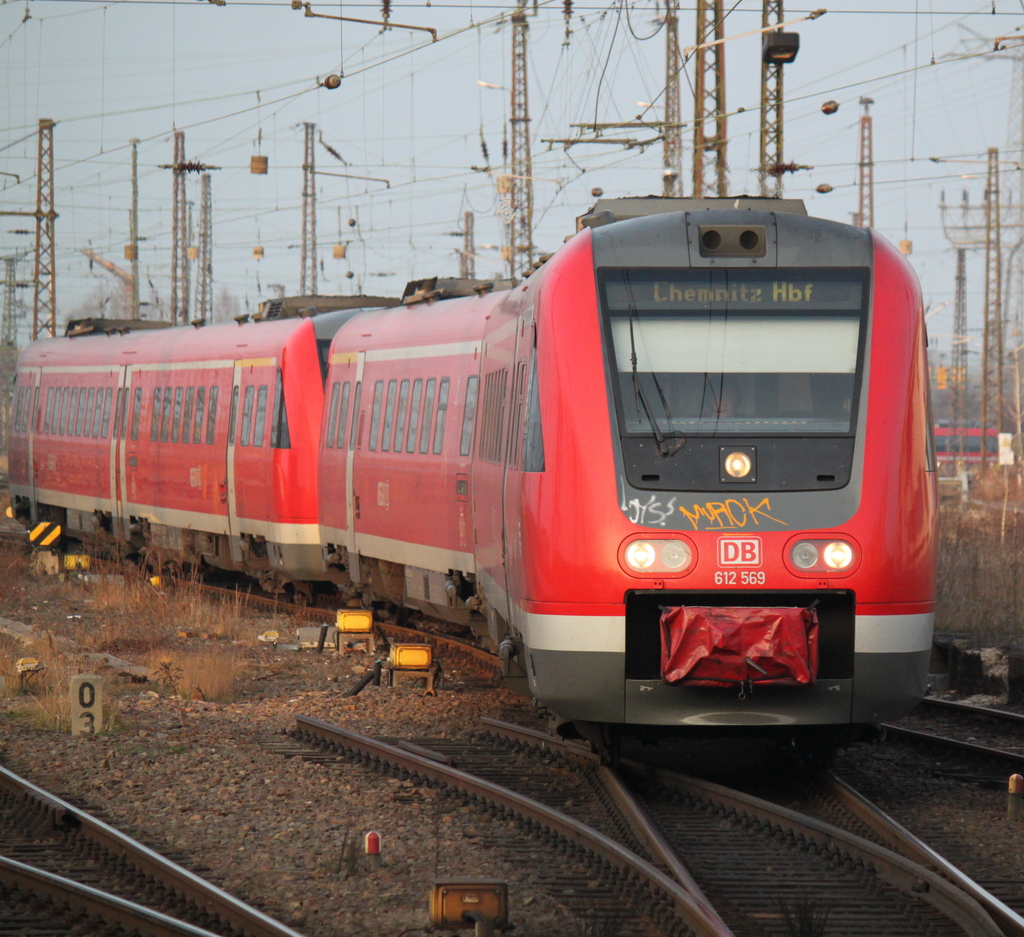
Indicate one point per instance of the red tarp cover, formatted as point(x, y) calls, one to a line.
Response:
point(703, 646)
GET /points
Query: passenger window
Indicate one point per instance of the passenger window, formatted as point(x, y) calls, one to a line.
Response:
point(176, 417)
point(154, 429)
point(165, 418)
point(49, 409)
point(108, 396)
point(389, 416)
point(403, 409)
point(90, 409)
point(97, 416)
point(353, 432)
point(197, 426)
point(233, 415)
point(72, 411)
point(37, 412)
point(186, 420)
point(343, 414)
point(261, 415)
point(332, 415)
point(414, 415)
point(428, 414)
point(65, 408)
point(378, 395)
point(211, 417)
point(442, 413)
point(466, 443)
point(250, 392)
point(81, 424)
point(280, 436)
point(136, 413)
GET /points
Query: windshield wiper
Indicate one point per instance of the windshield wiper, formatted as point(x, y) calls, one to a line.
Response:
point(663, 447)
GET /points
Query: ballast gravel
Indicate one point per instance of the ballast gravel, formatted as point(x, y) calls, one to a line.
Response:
point(191, 779)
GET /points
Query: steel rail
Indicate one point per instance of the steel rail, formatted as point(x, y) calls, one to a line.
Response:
point(109, 908)
point(1002, 715)
point(636, 817)
point(901, 873)
point(672, 893)
point(57, 813)
point(1013, 757)
point(903, 841)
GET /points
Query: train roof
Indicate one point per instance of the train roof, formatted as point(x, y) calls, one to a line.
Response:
point(608, 210)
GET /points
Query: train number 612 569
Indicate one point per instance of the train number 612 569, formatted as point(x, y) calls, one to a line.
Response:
point(731, 577)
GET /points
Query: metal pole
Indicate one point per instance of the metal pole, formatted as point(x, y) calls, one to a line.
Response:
point(992, 403)
point(179, 289)
point(133, 232)
point(308, 276)
point(865, 172)
point(709, 175)
point(672, 139)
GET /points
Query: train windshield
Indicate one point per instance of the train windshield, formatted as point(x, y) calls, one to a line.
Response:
point(735, 352)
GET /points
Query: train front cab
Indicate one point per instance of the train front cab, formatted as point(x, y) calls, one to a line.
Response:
point(807, 355)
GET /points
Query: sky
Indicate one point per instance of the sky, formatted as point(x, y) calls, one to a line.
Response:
point(413, 116)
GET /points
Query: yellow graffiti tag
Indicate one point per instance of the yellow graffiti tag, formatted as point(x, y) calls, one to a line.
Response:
point(730, 514)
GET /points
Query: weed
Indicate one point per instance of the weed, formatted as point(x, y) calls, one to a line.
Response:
point(805, 917)
point(199, 675)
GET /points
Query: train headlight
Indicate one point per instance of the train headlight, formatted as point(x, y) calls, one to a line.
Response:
point(675, 554)
point(804, 555)
point(822, 556)
point(837, 555)
point(738, 464)
point(640, 555)
point(658, 556)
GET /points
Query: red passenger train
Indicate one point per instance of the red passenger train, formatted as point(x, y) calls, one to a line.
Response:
point(681, 476)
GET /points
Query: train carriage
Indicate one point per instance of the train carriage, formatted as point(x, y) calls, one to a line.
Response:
point(682, 476)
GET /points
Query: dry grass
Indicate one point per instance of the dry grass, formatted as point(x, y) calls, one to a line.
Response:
point(50, 693)
point(211, 674)
point(981, 569)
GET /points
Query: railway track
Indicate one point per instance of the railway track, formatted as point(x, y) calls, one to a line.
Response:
point(989, 733)
point(62, 869)
point(878, 878)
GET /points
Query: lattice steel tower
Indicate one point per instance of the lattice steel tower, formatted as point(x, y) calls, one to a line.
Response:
point(992, 402)
point(179, 254)
point(672, 138)
point(521, 226)
point(308, 275)
point(865, 217)
point(44, 300)
point(958, 371)
point(709, 149)
point(769, 174)
point(467, 268)
point(133, 234)
point(204, 277)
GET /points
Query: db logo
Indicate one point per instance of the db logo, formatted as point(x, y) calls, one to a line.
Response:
point(739, 551)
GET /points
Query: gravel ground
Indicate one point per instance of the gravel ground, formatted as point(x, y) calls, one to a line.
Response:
point(189, 778)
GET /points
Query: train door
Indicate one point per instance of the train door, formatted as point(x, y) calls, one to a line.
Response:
point(497, 376)
point(231, 489)
point(119, 442)
point(351, 507)
point(516, 461)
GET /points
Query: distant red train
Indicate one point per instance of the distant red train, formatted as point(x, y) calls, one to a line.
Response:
point(681, 476)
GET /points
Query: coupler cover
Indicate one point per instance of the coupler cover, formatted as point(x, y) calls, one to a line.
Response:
point(705, 646)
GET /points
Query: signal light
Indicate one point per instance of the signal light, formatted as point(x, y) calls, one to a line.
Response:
point(410, 657)
point(354, 621)
point(461, 903)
